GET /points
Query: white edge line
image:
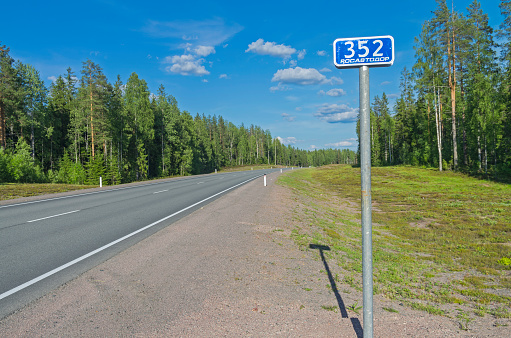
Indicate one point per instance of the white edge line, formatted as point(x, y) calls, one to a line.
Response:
point(79, 259)
point(40, 219)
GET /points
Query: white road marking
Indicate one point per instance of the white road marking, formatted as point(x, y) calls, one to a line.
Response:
point(40, 219)
point(79, 259)
point(157, 192)
point(200, 182)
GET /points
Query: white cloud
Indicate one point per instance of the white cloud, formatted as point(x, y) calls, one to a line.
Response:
point(204, 50)
point(301, 54)
point(186, 64)
point(279, 87)
point(337, 113)
point(205, 80)
point(321, 52)
point(223, 76)
point(336, 80)
point(333, 92)
point(346, 143)
point(288, 117)
point(312, 147)
point(384, 83)
point(52, 78)
point(197, 38)
point(212, 32)
point(293, 63)
point(325, 70)
point(270, 48)
point(287, 140)
point(300, 76)
point(303, 76)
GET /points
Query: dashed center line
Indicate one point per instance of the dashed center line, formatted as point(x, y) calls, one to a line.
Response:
point(157, 192)
point(40, 219)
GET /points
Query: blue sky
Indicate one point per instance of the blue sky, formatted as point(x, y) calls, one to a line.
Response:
point(267, 63)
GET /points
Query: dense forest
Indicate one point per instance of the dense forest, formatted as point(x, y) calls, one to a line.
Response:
point(453, 113)
point(454, 110)
point(84, 127)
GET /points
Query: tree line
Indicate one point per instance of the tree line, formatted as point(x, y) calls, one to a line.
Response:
point(454, 109)
point(84, 127)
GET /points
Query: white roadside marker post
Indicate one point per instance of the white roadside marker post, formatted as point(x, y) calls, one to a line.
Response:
point(362, 53)
point(100, 181)
point(265, 180)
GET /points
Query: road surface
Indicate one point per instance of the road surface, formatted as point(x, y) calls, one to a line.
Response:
point(45, 243)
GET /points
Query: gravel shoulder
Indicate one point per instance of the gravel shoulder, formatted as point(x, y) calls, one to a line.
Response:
point(229, 269)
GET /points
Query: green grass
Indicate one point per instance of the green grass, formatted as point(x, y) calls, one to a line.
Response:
point(17, 190)
point(439, 238)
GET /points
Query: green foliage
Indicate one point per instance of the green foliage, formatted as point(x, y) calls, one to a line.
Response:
point(70, 172)
point(95, 169)
point(505, 261)
point(22, 168)
point(5, 169)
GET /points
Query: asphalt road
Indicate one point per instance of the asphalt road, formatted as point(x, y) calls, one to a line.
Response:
point(46, 243)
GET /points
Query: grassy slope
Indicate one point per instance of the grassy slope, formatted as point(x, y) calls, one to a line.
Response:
point(437, 237)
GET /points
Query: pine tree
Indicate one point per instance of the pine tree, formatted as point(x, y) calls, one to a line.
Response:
point(10, 93)
point(482, 82)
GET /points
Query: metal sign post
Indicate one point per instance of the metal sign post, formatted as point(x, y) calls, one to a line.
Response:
point(363, 53)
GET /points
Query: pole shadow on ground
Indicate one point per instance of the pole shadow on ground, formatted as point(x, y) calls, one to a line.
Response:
point(344, 313)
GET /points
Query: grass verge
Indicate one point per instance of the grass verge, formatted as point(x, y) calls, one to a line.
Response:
point(10, 191)
point(441, 241)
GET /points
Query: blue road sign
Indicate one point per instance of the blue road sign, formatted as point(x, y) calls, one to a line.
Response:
point(374, 51)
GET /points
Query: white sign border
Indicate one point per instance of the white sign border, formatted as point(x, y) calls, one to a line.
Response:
point(374, 64)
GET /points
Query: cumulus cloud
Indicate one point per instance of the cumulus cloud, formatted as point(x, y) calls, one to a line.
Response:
point(321, 52)
point(301, 54)
point(198, 38)
point(337, 113)
point(346, 143)
point(333, 92)
point(186, 64)
point(288, 117)
point(223, 76)
point(287, 140)
point(52, 78)
point(336, 80)
point(204, 50)
point(279, 87)
point(325, 70)
point(270, 48)
point(300, 76)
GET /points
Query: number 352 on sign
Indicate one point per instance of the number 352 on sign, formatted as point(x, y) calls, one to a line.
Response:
point(375, 51)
